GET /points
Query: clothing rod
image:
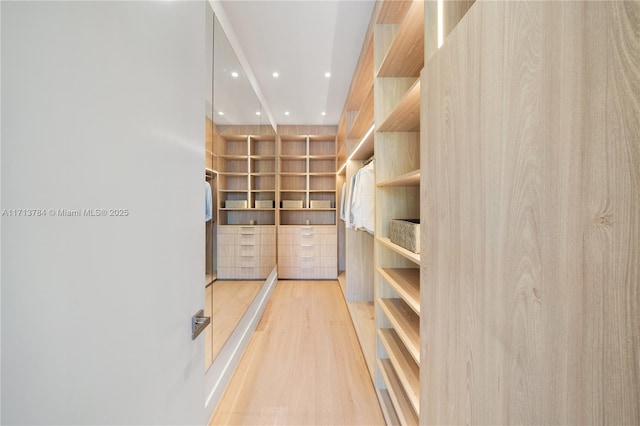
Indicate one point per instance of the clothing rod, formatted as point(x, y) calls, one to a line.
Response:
point(370, 159)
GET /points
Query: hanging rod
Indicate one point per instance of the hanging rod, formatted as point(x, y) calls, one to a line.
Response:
point(370, 159)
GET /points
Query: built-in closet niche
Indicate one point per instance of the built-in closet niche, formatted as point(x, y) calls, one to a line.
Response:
point(307, 202)
point(356, 145)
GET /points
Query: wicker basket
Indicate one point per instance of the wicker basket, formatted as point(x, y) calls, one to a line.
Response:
point(405, 233)
point(291, 204)
point(320, 204)
point(235, 204)
point(264, 204)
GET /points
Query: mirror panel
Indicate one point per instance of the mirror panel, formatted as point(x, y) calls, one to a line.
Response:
point(232, 107)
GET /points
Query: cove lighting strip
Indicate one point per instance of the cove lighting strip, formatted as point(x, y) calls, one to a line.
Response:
point(364, 138)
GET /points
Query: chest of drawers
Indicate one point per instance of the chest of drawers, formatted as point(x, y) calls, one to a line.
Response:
point(307, 252)
point(246, 252)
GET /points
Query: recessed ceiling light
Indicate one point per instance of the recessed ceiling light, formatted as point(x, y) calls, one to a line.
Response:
point(234, 74)
point(327, 74)
point(257, 112)
point(275, 74)
point(323, 113)
point(286, 113)
point(220, 113)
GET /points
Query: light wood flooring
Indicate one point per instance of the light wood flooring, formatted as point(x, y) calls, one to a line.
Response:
point(226, 302)
point(303, 365)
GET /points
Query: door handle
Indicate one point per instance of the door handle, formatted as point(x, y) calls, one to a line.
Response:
point(198, 323)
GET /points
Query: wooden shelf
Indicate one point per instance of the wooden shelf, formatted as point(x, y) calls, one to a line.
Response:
point(323, 174)
point(414, 257)
point(405, 116)
point(362, 78)
point(364, 119)
point(405, 56)
point(405, 367)
point(393, 12)
point(263, 157)
point(293, 157)
point(244, 174)
point(406, 324)
point(322, 157)
point(233, 157)
point(322, 190)
point(406, 282)
point(293, 174)
point(403, 407)
point(408, 179)
point(365, 150)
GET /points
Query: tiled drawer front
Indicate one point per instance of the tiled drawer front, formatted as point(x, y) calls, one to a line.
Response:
point(246, 252)
point(307, 252)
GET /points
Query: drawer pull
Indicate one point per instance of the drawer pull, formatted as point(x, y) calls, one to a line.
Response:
point(306, 245)
point(307, 257)
point(306, 235)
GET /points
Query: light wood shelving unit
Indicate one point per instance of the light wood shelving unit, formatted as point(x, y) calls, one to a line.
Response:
point(246, 236)
point(357, 246)
point(247, 172)
point(307, 174)
point(307, 236)
point(398, 60)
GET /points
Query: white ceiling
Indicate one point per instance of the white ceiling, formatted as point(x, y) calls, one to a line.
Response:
point(301, 40)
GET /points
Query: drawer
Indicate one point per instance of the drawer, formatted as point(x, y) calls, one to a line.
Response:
point(248, 261)
point(249, 239)
point(248, 251)
point(227, 239)
point(268, 261)
point(248, 230)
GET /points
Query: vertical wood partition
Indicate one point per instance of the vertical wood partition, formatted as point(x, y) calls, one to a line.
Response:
point(531, 217)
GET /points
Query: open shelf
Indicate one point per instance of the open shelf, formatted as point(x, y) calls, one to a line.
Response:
point(405, 56)
point(403, 408)
point(414, 257)
point(406, 282)
point(364, 119)
point(405, 367)
point(408, 179)
point(233, 157)
point(362, 78)
point(405, 322)
point(363, 151)
point(405, 116)
point(363, 318)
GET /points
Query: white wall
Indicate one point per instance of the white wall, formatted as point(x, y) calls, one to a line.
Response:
point(102, 107)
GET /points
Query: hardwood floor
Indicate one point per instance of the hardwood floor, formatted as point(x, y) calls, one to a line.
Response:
point(227, 304)
point(303, 366)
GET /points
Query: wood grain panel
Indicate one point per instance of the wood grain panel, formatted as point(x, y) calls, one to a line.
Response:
point(531, 189)
point(405, 56)
point(393, 12)
point(303, 365)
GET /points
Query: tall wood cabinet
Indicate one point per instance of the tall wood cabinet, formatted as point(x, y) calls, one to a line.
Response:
point(247, 202)
point(398, 60)
point(307, 231)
